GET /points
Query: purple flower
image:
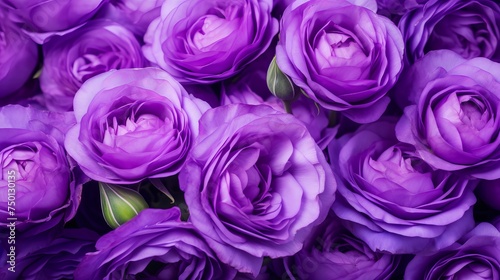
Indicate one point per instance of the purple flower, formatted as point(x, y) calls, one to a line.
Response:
point(470, 28)
point(57, 260)
point(136, 15)
point(73, 58)
point(46, 187)
point(153, 245)
point(255, 184)
point(53, 15)
point(392, 199)
point(345, 57)
point(19, 56)
point(475, 256)
point(332, 252)
point(133, 124)
point(205, 41)
point(454, 113)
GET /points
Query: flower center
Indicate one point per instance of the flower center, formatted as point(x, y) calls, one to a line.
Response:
point(468, 115)
point(397, 175)
point(397, 166)
point(473, 114)
point(337, 47)
point(26, 160)
point(132, 125)
point(21, 159)
point(342, 46)
point(213, 28)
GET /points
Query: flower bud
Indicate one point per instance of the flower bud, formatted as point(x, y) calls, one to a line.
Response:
point(120, 204)
point(279, 84)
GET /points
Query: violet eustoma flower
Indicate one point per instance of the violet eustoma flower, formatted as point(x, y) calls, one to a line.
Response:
point(47, 186)
point(73, 58)
point(133, 124)
point(345, 57)
point(135, 15)
point(155, 244)
point(392, 199)
point(332, 252)
point(205, 41)
point(56, 261)
point(453, 115)
point(54, 15)
point(19, 56)
point(470, 28)
point(255, 184)
point(474, 256)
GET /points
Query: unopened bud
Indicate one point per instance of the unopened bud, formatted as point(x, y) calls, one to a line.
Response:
point(280, 84)
point(120, 204)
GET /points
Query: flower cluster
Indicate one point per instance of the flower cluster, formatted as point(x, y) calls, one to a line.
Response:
point(250, 139)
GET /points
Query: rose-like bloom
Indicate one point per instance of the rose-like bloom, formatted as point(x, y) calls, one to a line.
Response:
point(133, 124)
point(19, 56)
point(392, 199)
point(454, 113)
point(155, 244)
point(345, 57)
point(46, 189)
point(136, 15)
point(57, 260)
point(73, 58)
point(53, 15)
point(470, 28)
point(475, 256)
point(205, 41)
point(332, 252)
point(255, 184)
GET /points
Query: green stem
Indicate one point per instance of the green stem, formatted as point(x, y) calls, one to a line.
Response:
point(288, 106)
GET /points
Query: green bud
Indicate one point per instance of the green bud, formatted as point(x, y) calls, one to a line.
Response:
point(279, 84)
point(120, 204)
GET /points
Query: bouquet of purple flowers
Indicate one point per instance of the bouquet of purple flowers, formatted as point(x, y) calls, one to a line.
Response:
point(250, 139)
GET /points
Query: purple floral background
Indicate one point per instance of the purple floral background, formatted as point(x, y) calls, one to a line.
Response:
point(250, 139)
